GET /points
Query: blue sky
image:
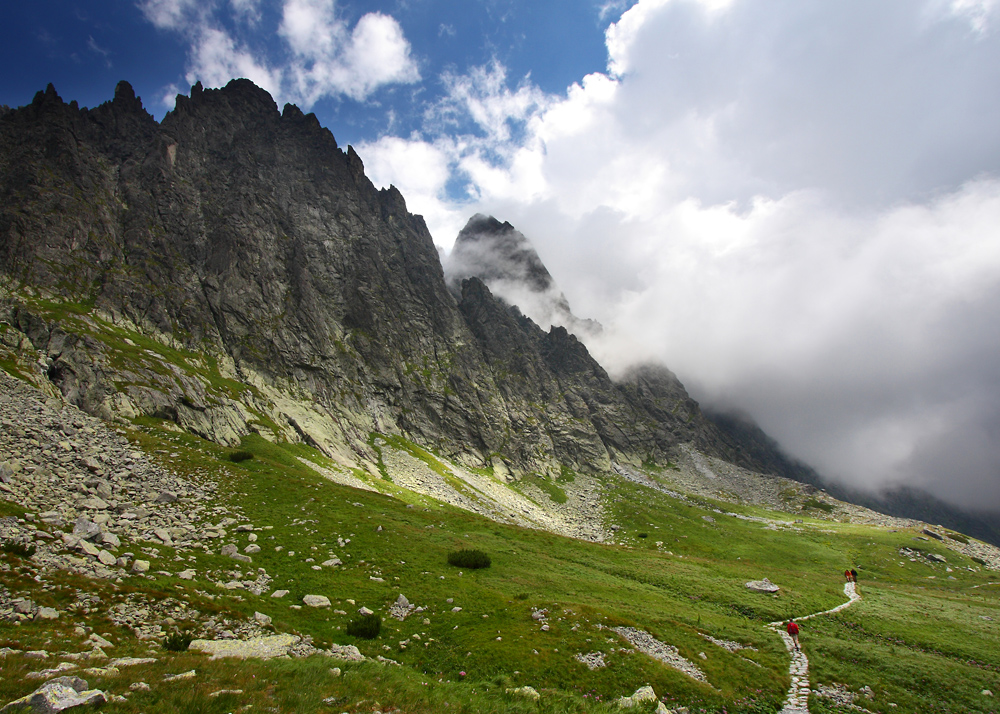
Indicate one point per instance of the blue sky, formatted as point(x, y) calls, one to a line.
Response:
point(794, 204)
point(85, 48)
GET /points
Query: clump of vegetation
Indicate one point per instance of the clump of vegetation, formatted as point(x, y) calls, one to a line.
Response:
point(471, 559)
point(552, 490)
point(813, 503)
point(789, 494)
point(644, 534)
point(238, 456)
point(177, 641)
point(957, 537)
point(366, 627)
point(521, 596)
point(566, 474)
point(22, 550)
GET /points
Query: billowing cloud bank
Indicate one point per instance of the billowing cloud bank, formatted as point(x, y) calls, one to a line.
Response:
point(796, 206)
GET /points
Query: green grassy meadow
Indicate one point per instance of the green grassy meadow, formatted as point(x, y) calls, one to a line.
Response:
point(917, 639)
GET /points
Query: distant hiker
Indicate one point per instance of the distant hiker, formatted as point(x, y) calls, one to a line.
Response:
point(847, 576)
point(854, 575)
point(793, 631)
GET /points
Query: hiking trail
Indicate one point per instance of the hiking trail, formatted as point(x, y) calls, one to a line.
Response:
point(797, 701)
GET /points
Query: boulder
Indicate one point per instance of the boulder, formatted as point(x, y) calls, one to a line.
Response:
point(140, 566)
point(257, 647)
point(164, 535)
point(349, 653)
point(57, 695)
point(763, 586)
point(641, 695)
point(316, 601)
point(97, 641)
point(85, 529)
point(23, 606)
point(527, 692)
point(89, 548)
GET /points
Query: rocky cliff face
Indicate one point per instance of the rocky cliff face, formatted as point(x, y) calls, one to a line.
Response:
point(282, 293)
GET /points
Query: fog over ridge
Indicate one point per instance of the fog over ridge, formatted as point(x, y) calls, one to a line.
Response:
point(795, 207)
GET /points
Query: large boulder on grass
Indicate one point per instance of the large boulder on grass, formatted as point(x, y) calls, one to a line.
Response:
point(762, 586)
point(57, 695)
point(316, 600)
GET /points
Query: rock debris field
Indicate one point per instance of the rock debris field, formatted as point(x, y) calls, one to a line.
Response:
point(89, 496)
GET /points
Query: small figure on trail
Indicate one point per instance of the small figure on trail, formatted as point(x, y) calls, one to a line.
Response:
point(847, 576)
point(793, 631)
point(854, 575)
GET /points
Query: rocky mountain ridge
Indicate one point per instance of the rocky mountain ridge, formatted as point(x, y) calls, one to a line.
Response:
point(299, 301)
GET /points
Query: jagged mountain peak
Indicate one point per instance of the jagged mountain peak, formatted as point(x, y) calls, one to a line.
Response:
point(506, 261)
point(497, 252)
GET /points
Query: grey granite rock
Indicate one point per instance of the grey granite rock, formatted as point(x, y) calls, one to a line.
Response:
point(57, 695)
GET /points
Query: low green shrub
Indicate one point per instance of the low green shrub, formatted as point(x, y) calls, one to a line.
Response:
point(238, 456)
point(471, 559)
point(22, 550)
point(813, 503)
point(957, 537)
point(366, 627)
point(177, 641)
point(644, 534)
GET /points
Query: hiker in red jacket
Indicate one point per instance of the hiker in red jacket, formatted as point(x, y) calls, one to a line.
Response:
point(847, 576)
point(793, 630)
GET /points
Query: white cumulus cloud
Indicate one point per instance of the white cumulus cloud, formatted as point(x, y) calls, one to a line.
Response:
point(332, 60)
point(324, 57)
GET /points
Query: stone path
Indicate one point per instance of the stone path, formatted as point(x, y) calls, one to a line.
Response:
point(797, 701)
